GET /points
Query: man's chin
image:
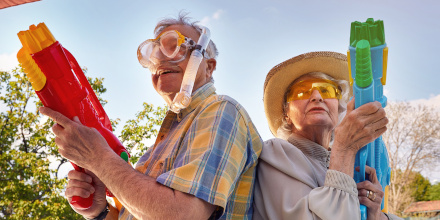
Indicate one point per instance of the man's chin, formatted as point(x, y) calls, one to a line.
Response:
point(168, 96)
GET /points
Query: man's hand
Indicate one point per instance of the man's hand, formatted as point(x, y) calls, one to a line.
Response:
point(140, 194)
point(83, 185)
point(78, 143)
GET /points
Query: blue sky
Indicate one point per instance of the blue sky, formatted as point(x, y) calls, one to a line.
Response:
point(252, 37)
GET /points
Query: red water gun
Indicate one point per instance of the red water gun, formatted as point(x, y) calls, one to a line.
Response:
point(62, 86)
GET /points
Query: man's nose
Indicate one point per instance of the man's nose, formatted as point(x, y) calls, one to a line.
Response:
point(316, 96)
point(158, 56)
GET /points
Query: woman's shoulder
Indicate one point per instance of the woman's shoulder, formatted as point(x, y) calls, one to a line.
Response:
point(281, 157)
point(278, 144)
point(276, 148)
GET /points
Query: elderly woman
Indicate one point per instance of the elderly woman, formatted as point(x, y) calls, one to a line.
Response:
point(305, 99)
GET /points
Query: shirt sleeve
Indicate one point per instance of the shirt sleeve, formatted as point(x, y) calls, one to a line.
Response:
point(286, 189)
point(218, 157)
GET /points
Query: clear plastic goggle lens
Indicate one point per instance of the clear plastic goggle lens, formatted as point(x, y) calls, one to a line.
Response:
point(171, 46)
point(144, 52)
point(303, 89)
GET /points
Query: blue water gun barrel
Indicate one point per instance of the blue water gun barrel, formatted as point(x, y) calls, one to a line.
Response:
point(367, 58)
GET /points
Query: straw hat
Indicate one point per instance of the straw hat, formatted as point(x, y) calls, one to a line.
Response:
point(282, 75)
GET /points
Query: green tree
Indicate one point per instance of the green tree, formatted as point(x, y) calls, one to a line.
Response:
point(434, 192)
point(29, 188)
point(137, 131)
point(412, 139)
point(420, 188)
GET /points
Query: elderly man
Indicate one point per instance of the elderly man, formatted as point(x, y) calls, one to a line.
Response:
point(202, 165)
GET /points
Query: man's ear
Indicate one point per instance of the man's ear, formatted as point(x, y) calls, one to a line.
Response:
point(210, 66)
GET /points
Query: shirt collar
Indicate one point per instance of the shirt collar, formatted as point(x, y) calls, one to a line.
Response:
point(197, 97)
point(310, 148)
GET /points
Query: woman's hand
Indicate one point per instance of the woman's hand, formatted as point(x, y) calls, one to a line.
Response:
point(360, 126)
point(370, 194)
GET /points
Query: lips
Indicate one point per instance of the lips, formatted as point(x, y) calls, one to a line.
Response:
point(317, 109)
point(165, 70)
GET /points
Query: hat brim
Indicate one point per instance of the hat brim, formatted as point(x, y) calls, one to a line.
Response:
point(282, 75)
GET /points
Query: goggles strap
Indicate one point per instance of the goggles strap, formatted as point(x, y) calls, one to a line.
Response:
point(199, 48)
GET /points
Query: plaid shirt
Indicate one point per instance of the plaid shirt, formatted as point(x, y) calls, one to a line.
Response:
point(210, 150)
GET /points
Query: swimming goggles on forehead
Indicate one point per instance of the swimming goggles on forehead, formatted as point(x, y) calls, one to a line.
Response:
point(170, 46)
point(303, 89)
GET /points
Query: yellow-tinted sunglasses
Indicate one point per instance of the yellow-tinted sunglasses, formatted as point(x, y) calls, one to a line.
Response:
point(303, 89)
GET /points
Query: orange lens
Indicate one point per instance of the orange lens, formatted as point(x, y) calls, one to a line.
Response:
point(303, 89)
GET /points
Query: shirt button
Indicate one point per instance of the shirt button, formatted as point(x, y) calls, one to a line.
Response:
point(161, 164)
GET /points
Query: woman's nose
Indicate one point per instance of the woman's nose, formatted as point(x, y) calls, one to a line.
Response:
point(316, 96)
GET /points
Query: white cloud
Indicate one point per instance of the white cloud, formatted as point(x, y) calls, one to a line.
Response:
point(386, 92)
point(215, 16)
point(433, 101)
point(8, 62)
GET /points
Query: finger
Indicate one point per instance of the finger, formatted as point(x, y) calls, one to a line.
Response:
point(369, 108)
point(80, 176)
point(366, 185)
point(350, 106)
point(369, 137)
point(81, 184)
point(364, 196)
point(60, 143)
point(79, 191)
point(57, 129)
point(381, 123)
point(375, 116)
point(367, 202)
point(379, 132)
point(56, 116)
point(76, 119)
point(362, 192)
point(371, 174)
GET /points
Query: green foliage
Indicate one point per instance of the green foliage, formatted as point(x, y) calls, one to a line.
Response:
point(144, 127)
point(420, 187)
point(434, 192)
point(29, 188)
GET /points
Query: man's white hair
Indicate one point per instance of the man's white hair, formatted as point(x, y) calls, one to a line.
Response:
point(183, 19)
